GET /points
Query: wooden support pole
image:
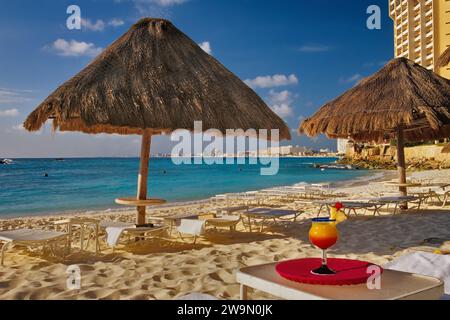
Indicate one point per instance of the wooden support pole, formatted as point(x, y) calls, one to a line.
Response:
point(401, 163)
point(143, 176)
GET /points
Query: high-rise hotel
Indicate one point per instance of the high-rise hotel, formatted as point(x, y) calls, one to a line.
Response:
point(421, 31)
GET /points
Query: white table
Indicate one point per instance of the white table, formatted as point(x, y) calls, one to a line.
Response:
point(395, 285)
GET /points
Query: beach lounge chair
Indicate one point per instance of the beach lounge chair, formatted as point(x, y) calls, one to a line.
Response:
point(397, 201)
point(115, 230)
point(224, 221)
point(261, 216)
point(442, 197)
point(175, 220)
point(349, 206)
point(195, 228)
point(230, 210)
point(30, 238)
point(82, 226)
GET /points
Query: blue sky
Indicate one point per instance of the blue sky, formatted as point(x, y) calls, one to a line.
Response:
point(296, 54)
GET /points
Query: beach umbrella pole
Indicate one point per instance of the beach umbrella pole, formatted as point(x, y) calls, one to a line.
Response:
point(143, 176)
point(401, 163)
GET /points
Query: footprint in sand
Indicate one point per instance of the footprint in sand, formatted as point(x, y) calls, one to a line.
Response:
point(156, 278)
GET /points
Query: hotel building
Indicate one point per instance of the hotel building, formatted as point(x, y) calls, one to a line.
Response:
point(421, 31)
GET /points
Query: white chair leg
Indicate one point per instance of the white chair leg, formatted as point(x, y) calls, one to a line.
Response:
point(445, 200)
point(4, 248)
point(97, 240)
point(395, 209)
point(82, 238)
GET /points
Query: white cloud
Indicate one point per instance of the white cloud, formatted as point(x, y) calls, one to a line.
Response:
point(283, 110)
point(75, 48)
point(9, 113)
point(164, 3)
point(277, 80)
point(116, 22)
point(314, 48)
point(352, 79)
point(14, 96)
point(18, 127)
point(154, 8)
point(100, 25)
point(280, 97)
point(281, 103)
point(206, 46)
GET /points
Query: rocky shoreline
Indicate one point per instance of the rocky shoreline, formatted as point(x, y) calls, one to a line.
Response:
point(383, 164)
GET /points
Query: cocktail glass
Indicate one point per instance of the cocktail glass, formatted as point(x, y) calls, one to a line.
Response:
point(323, 234)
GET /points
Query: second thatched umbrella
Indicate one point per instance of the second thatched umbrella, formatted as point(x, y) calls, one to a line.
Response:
point(403, 101)
point(154, 80)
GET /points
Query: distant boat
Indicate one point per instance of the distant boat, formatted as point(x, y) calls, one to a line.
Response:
point(60, 159)
point(335, 167)
point(6, 161)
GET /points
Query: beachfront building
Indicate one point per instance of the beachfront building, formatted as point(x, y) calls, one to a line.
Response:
point(342, 146)
point(421, 31)
point(284, 151)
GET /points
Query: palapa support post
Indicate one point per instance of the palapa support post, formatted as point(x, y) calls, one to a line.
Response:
point(143, 175)
point(401, 163)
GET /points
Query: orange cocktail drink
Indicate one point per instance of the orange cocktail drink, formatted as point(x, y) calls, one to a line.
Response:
point(324, 235)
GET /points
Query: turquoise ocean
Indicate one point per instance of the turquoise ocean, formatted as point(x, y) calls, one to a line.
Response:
point(93, 183)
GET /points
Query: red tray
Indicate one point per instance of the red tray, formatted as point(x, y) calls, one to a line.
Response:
point(348, 272)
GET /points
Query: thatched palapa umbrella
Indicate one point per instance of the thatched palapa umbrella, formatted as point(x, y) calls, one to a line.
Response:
point(444, 61)
point(402, 101)
point(154, 80)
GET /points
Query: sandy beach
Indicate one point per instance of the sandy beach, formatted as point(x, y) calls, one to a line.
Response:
point(163, 269)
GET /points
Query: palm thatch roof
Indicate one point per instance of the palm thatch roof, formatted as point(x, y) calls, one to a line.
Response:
point(446, 149)
point(402, 94)
point(154, 78)
point(444, 59)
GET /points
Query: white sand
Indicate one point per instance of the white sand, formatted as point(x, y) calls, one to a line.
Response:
point(168, 269)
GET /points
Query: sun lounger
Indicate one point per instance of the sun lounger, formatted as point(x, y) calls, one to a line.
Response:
point(442, 197)
point(231, 210)
point(195, 228)
point(85, 227)
point(398, 201)
point(224, 221)
point(349, 206)
point(115, 230)
point(175, 220)
point(29, 238)
point(263, 215)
